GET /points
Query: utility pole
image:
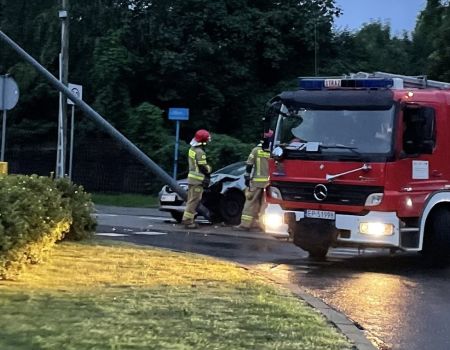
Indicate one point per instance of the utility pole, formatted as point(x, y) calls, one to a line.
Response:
point(63, 78)
point(315, 47)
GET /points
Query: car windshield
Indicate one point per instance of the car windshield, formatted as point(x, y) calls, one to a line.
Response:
point(337, 131)
point(235, 169)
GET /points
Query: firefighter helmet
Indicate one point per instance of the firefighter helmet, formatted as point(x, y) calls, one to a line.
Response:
point(202, 136)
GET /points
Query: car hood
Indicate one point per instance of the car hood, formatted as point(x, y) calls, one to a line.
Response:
point(228, 181)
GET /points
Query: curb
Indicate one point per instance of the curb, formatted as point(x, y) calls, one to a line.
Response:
point(338, 319)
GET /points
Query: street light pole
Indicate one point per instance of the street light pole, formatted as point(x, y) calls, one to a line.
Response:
point(63, 77)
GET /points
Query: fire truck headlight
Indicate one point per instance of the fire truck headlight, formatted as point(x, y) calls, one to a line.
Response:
point(273, 221)
point(376, 229)
point(374, 199)
point(274, 192)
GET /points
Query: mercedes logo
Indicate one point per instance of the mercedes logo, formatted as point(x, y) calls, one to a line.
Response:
point(320, 192)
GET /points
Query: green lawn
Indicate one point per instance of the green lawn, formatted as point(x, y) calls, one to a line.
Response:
point(125, 200)
point(115, 296)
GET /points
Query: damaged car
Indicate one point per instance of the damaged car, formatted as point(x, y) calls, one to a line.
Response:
point(224, 198)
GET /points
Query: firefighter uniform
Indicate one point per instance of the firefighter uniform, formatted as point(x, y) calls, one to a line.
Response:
point(199, 172)
point(258, 171)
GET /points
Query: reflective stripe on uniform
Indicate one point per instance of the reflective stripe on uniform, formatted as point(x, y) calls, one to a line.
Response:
point(196, 176)
point(246, 217)
point(189, 215)
point(260, 179)
point(263, 154)
point(202, 161)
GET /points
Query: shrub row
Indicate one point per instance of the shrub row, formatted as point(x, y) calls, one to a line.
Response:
point(35, 213)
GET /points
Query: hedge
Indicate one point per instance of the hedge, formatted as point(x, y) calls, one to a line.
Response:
point(35, 213)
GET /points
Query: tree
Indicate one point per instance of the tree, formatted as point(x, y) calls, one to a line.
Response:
point(370, 49)
point(427, 37)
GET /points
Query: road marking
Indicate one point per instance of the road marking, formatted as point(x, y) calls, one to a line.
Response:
point(111, 234)
point(150, 233)
point(159, 218)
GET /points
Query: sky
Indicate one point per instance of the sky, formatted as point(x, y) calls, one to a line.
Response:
point(401, 14)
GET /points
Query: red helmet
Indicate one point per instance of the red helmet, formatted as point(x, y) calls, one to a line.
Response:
point(202, 136)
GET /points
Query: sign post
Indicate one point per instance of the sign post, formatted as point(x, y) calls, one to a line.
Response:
point(9, 95)
point(177, 114)
point(77, 90)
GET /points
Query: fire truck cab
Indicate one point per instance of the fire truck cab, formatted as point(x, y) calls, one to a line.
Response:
point(363, 161)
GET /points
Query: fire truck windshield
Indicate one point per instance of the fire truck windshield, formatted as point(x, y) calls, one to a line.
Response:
point(337, 131)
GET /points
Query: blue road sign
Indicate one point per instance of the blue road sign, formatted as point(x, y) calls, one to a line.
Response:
point(178, 113)
point(9, 93)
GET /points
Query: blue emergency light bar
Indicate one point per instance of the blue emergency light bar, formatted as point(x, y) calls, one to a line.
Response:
point(322, 84)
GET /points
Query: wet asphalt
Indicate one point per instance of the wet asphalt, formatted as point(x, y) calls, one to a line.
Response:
point(399, 301)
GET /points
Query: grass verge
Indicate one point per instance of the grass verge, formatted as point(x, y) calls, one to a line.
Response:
point(125, 200)
point(106, 295)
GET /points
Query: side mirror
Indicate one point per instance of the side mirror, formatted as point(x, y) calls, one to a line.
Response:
point(278, 153)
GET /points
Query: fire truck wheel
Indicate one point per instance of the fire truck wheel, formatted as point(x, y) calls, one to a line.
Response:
point(436, 245)
point(318, 252)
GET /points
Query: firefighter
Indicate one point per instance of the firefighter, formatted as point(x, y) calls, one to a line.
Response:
point(256, 179)
point(198, 177)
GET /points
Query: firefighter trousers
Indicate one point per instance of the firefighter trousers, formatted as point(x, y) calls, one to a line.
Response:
point(194, 197)
point(252, 207)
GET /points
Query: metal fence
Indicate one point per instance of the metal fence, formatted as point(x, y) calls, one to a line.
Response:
point(99, 165)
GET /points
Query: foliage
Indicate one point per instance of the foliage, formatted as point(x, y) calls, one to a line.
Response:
point(439, 54)
point(80, 207)
point(222, 59)
point(33, 217)
point(224, 150)
point(36, 212)
point(427, 35)
point(145, 127)
point(214, 57)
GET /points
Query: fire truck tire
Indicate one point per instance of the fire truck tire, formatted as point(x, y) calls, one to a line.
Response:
point(315, 251)
point(318, 252)
point(436, 245)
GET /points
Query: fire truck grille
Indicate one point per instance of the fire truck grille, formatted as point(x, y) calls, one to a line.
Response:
point(333, 194)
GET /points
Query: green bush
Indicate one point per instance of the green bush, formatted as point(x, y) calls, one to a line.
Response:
point(80, 206)
point(35, 213)
point(224, 150)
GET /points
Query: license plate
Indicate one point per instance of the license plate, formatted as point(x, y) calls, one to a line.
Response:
point(320, 214)
point(168, 198)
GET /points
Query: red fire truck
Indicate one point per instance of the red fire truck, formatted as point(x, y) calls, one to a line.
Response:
point(364, 161)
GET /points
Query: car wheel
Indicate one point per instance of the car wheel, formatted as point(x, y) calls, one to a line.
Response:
point(177, 216)
point(231, 205)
